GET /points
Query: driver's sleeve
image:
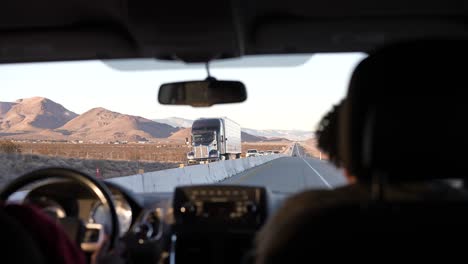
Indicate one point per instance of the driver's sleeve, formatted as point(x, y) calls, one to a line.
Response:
point(51, 238)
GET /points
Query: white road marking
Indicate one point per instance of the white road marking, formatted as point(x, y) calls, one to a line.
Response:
point(321, 177)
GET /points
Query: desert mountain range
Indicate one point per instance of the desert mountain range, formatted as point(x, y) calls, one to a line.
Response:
point(33, 114)
point(43, 119)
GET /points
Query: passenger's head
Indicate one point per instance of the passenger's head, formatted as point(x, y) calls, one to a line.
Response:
point(327, 139)
point(326, 135)
point(403, 119)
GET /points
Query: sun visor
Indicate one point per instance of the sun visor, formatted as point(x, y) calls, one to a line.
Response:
point(192, 31)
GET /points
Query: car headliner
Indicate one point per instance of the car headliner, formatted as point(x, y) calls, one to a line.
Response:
point(198, 31)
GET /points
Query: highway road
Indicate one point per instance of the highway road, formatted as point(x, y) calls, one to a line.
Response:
point(292, 174)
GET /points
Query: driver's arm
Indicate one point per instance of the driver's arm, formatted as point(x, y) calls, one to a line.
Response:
point(52, 240)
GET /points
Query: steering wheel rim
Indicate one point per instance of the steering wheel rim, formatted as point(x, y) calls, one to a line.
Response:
point(99, 189)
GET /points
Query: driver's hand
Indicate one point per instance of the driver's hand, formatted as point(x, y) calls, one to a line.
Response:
point(104, 256)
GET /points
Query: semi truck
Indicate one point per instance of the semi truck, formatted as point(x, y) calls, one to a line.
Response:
point(214, 139)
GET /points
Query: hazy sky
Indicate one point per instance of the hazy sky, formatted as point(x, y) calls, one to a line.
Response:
point(278, 97)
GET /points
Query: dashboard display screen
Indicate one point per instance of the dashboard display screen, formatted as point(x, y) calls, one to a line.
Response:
point(219, 208)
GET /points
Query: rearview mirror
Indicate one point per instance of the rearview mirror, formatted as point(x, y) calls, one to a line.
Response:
point(202, 93)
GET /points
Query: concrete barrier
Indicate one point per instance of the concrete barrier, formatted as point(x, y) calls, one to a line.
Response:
point(230, 168)
point(217, 172)
point(166, 180)
point(162, 181)
point(133, 182)
point(197, 174)
point(245, 163)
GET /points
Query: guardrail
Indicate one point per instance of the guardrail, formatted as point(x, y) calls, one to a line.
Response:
point(166, 180)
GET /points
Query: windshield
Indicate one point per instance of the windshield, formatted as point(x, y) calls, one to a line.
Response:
point(103, 118)
point(202, 137)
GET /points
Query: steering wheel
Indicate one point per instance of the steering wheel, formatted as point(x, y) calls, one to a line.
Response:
point(90, 183)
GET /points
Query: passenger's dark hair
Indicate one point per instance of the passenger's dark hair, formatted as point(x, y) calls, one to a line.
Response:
point(327, 135)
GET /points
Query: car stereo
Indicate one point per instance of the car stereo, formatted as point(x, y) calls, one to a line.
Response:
point(219, 207)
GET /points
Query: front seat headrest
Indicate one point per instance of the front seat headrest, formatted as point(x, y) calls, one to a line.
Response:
point(405, 112)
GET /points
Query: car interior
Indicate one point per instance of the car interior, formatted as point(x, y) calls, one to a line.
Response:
point(401, 133)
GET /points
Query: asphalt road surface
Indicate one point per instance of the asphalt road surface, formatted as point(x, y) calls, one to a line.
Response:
point(292, 174)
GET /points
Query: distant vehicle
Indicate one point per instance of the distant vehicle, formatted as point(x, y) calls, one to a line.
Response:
point(269, 152)
point(276, 152)
point(261, 153)
point(252, 153)
point(214, 139)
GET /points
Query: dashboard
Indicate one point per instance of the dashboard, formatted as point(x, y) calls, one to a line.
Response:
point(203, 223)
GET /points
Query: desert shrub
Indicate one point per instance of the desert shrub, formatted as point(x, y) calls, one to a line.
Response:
point(8, 146)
